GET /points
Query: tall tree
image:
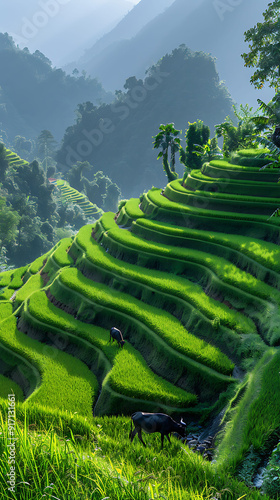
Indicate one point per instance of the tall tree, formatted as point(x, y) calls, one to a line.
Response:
point(197, 134)
point(167, 139)
point(46, 146)
point(9, 220)
point(4, 163)
point(264, 44)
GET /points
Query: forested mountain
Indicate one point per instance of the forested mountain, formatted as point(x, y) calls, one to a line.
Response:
point(36, 213)
point(127, 28)
point(213, 27)
point(35, 96)
point(49, 25)
point(117, 138)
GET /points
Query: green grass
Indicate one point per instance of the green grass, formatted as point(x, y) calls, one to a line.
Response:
point(6, 294)
point(162, 323)
point(217, 275)
point(6, 309)
point(43, 315)
point(18, 274)
point(8, 386)
point(176, 286)
point(196, 180)
point(227, 165)
point(34, 283)
point(65, 381)
point(176, 192)
point(225, 271)
point(60, 254)
point(108, 466)
point(37, 264)
point(264, 253)
point(129, 212)
point(58, 258)
point(220, 168)
point(72, 195)
point(252, 153)
point(14, 281)
point(140, 382)
point(154, 196)
point(257, 415)
point(6, 277)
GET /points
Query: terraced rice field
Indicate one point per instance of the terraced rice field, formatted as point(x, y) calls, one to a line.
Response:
point(14, 159)
point(191, 275)
point(72, 195)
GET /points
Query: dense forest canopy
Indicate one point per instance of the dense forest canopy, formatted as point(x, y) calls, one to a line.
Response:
point(33, 213)
point(117, 138)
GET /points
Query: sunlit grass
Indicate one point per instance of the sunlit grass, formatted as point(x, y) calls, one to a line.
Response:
point(108, 466)
point(256, 416)
point(263, 252)
point(34, 283)
point(224, 270)
point(8, 386)
point(164, 282)
point(6, 309)
point(140, 382)
point(65, 381)
point(159, 201)
point(160, 322)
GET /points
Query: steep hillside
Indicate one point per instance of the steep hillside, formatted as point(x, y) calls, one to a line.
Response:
point(191, 277)
point(213, 27)
point(181, 87)
point(36, 210)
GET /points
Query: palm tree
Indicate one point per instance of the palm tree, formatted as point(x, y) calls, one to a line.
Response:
point(167, 140)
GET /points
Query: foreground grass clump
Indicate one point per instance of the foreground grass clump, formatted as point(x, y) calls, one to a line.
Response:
point(257, 416)
point(107, 466)
point(8, 386)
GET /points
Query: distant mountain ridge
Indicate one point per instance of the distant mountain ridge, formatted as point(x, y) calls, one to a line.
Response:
point(130, 25)
point(201, 25)
point(35, 96)
point(58, 28)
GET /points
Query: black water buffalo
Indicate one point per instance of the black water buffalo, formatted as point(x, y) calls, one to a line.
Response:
point(116, 334)
point(155, 422)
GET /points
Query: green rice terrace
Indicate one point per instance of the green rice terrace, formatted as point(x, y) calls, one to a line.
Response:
point(191, 276)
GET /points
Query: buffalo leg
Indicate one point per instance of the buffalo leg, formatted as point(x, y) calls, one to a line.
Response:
point(140, 436)
point(132, 434)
